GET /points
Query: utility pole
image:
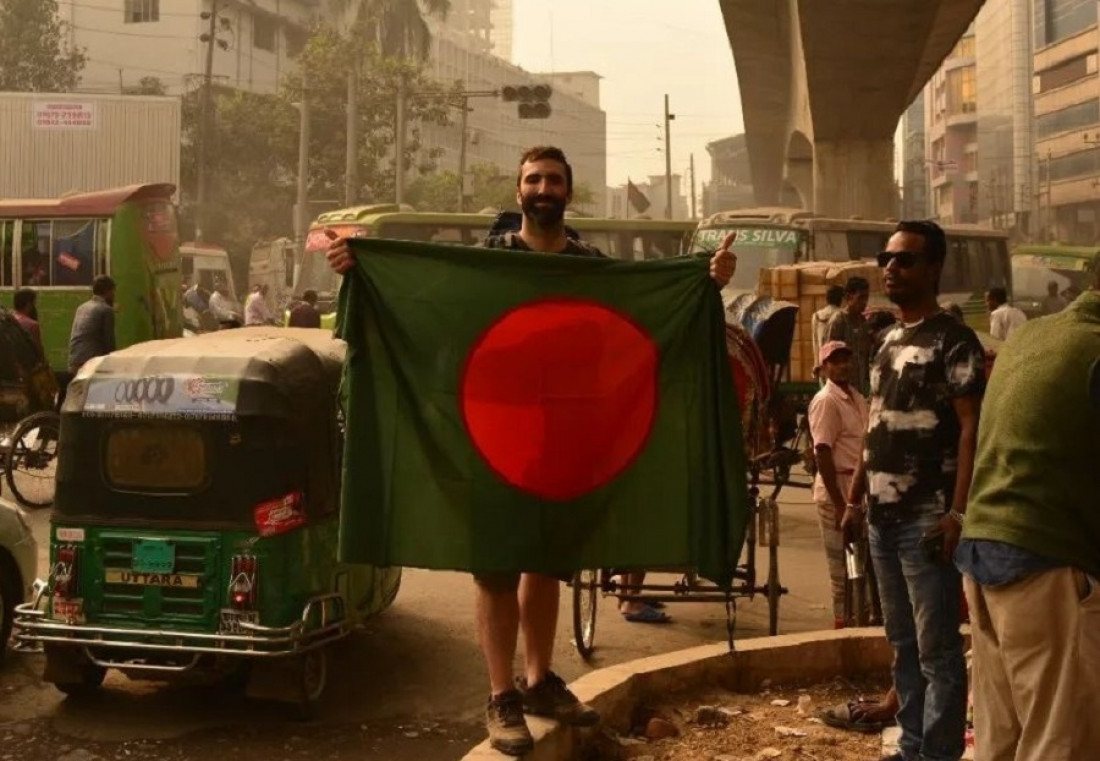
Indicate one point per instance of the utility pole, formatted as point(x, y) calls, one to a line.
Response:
point(692, 185)
point(464, 104)
point(668, 161)
point(302, 219)
point(1050, 211)
point(351, 160)
point(204, 124)
point(399, 145)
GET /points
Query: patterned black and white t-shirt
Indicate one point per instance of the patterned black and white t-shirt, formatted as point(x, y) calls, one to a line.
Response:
point(912, 444)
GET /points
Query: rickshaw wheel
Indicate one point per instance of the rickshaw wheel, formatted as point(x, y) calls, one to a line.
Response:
point(585, 597)
point(91, 679)
point(313, 674)
point(36, 463)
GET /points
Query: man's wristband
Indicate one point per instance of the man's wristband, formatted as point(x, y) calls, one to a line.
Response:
point(956, 516)
point(855, 507)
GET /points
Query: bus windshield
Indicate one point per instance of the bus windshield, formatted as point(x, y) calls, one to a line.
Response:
point(1032, 276)
point(755, 248)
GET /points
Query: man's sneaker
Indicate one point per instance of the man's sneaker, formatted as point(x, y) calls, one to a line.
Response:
point(551, 699)
point(508, 732)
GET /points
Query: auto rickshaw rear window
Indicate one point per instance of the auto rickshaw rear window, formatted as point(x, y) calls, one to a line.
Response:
point(156, 457)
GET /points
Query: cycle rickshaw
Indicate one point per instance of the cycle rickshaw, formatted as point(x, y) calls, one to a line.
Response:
point(759, 333)
point(28, 451)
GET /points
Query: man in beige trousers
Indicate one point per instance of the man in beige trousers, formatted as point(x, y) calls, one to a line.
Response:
point(1031, 544)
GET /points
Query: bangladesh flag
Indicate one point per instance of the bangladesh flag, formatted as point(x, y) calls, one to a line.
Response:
point(517, 411)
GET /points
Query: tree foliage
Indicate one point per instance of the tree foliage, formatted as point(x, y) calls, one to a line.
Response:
point(252, 156)
point(146, 86)
point(34, 53)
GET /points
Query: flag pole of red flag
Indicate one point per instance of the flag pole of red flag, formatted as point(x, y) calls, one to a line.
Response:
point(636, 197)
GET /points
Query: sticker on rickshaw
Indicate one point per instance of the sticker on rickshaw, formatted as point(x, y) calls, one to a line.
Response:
point(166, 396)
point(134, 578)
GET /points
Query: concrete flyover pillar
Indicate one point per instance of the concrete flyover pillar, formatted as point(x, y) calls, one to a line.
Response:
point(855, 177)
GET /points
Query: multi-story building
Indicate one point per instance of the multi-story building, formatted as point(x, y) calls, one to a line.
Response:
point(468, 22)
point(951, 132)
point(978, 125)
point(501, 34)
point(1067, 120)
point(126, 40)
point(730, 185)
point(1006, 193)
point(496, 135)
point(914, 168)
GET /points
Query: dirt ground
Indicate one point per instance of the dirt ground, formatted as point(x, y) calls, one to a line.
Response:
point(777, 723)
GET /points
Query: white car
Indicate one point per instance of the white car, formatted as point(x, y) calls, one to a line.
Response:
point(18, 560)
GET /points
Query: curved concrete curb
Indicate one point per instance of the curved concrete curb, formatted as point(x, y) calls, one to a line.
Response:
point(788, 659)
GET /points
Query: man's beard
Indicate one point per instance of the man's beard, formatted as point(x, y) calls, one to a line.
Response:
point(544, 216)
point(33, 313)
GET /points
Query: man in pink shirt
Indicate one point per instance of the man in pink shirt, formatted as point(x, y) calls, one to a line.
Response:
point(25, 305)
point(838, 423)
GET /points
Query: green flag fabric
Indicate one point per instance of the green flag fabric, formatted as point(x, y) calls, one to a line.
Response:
point(518, 411)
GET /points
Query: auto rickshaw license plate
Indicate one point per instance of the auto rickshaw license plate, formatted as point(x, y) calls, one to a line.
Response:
point(153, 556)
point(122, 576)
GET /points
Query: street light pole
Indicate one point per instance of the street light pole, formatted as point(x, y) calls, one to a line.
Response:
point(204, 123)
point(668, 161)
point(464, 104)
point(302, 217)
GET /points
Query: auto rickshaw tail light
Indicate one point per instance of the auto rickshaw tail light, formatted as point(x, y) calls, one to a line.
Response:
point(242, 586)
point(66, 580)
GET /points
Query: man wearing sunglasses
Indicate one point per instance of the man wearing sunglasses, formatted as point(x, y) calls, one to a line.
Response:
point(926, 385)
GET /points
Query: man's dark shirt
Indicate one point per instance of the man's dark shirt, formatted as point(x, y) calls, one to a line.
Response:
point(304, 315)
point(512, 240)
point(912, 446)
point(93, 333)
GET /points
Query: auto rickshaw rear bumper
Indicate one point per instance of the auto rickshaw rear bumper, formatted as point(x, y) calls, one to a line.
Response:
point(323, 621)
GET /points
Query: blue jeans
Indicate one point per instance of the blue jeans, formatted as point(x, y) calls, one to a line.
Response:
point(920, 605)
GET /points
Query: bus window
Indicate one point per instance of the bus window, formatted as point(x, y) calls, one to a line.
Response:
point(6, 257)
point(73, 252)
point(661, 245)
point(997, 258)
point(103, 264)
point(864, 244)
point(831, 246)
point(955, 275)
point(34, 251)
point(604, 241)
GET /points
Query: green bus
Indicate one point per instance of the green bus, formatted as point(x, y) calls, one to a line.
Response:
point(1039, 270)
point(58, 246)
point(977, 257)
point(634, 239)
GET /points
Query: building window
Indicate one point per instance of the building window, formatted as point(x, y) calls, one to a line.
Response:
point(1064, 73)
point(1076, 165)
point(263, 32)
point(141, 11)
point(1068, 119)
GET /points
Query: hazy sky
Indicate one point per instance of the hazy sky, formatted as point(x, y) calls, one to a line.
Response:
point(642, 49)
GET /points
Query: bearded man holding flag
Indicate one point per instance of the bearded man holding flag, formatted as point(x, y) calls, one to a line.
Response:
point(518, 416)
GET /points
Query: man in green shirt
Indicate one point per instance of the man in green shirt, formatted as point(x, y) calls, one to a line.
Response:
point(1031, 544)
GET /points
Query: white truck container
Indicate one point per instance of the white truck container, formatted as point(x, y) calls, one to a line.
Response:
point(52, 144)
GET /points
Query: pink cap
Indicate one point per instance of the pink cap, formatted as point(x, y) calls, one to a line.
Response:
point(831, 348)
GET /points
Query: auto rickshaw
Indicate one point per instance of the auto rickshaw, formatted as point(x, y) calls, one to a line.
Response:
point(195, 524)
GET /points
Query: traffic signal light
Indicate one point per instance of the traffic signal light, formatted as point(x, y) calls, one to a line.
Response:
point(533, 100)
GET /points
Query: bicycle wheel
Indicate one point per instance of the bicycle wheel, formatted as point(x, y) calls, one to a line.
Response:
point(586, 585)
point(32, 461)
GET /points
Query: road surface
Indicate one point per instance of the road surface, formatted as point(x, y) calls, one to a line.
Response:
point(410, 686)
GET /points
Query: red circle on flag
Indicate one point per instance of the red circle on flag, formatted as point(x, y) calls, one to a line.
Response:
point(559, 396)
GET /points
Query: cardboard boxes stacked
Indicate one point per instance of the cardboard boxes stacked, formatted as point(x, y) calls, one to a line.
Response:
point(805, 284)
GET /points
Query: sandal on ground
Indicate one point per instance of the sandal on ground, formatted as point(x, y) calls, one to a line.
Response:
point(647, 615)
point(844, 716)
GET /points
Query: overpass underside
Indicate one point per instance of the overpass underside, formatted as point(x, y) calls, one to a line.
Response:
point(823, 84)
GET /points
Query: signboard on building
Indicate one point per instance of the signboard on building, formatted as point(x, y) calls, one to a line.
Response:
point(50, 114)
